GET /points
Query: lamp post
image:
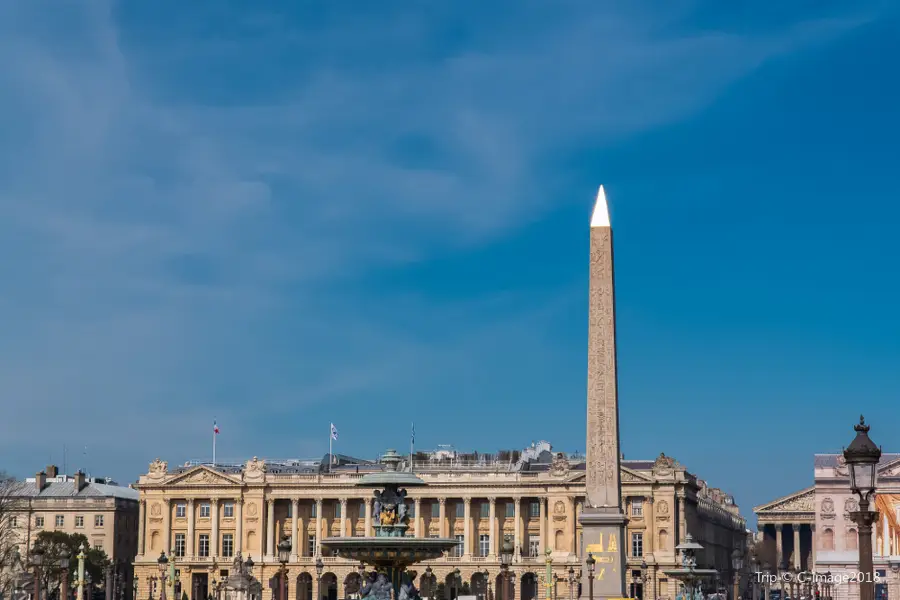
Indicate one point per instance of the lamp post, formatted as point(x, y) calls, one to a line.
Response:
point(320, 566)
point(487, 584)
point(64, 558)
point(284, 555)
point(861, 456)
point(81, 556)
point(37, 561)
point(457, 582)
point(548, 560)
point(163, 564)
point(429, 577)
point(590, 566)
point(643, 579)
point(506, 556)
point(737, 563)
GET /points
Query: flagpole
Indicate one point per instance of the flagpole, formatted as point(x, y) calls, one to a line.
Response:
point(330, 441)
point(214, 444)
point(412, 441)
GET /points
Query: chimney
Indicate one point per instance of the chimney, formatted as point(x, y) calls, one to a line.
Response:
point(40, 480)
point(79, 481)
point(51, 471)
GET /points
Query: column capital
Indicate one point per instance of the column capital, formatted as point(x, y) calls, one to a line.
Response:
point(142, 501)
point(239, 500)
point(467, 500)
point(369, 501)
point(270, 502)
point(492, 500)
point(442, 501)
point(343, 503)
point(417, 501)
point(167, 500)
point(295, 501)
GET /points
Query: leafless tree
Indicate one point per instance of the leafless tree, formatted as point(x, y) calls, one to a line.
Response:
point(10, 561)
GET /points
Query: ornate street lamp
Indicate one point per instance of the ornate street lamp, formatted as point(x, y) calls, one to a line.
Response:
point(737, 563)
point(571, 583)
point(487, 584)
point(643, 579)
point(163, 565)
point(590, 567)
point(320, 566)
point(37, 561)
point(284, 555)
point(862, 455)
point(506, 558)
point(429, 577)
point(64, 558)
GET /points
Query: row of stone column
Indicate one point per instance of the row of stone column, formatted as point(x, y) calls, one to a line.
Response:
point(267, 550)
point(797, 556)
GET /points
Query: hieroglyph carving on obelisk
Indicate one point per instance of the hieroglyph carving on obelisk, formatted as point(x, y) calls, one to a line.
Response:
point(603, 486)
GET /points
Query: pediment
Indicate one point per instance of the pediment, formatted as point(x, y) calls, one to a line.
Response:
point(628, 476)
point(802, 501)
point(890, 469)
point(202, 475)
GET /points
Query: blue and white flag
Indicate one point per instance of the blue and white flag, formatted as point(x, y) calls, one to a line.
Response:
point(412, 436)
point(333, 432)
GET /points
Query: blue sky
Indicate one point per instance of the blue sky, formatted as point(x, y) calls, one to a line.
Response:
point(374, 214)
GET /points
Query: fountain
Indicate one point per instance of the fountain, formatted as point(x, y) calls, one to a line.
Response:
point(390, 551)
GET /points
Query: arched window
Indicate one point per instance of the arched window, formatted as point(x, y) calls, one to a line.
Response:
point(851, 542)
point(828, 539)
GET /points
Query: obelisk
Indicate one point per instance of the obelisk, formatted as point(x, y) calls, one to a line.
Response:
point(602, 519)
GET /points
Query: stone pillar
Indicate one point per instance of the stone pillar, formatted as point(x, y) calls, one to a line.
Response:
point(467, 526)
point(682, 516)
point(319, 521)
point(492, 527)
point(796, 528)
point(214, 538)
point(369, 517)
point(442, 517)
point(296, 544)
point(190, 544)
point(239, 524)
point(270, 529)
point(417, 530)
point(573, 528)
point(812, 541)
point(602, 517)
point(885, 536)
point(167, 525)
point(142, 517)
point(343, 516)
point(517, 527)
point(543, 522)
point(779, 548)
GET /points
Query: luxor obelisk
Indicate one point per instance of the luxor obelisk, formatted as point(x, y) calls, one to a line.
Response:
point(602, 519)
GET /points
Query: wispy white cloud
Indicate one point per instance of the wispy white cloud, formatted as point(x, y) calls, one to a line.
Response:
point(155, 233)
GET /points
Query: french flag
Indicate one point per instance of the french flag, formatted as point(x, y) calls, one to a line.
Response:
point(215, 428)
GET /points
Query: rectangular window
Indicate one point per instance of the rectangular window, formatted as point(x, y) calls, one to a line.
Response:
point(204, 544)
point(79, 521)
point(98, 545)
point(179, 544)
point(310, 544)
point(510, 510)
point(458, 548)
point(337, 510)
point(460, 510)
point(485, 510)
point(204, 511)
point(98, 520)
point(534, 548)
point(60, 520)
point(435, 510)
point(412, 510)
point(534, 509)
point(637, 507)
point(637, 544)
point(290, 510)
point(180, 510)
point(484, 545)
point(227, 545)
point(39, 521)
point(314, 511)
point(229, 509)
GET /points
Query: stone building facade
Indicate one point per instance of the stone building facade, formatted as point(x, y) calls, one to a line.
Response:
point(205, 514)
point(104, 512)
point(818, 518)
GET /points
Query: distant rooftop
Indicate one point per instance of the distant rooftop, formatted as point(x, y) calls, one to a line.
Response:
point(65, 488)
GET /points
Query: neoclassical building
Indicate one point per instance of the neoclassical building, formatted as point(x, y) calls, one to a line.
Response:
point(204, 514)
point(812, 530)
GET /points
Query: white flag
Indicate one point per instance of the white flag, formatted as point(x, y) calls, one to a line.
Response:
point(333, 432)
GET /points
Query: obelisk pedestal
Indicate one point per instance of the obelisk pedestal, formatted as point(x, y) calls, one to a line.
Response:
point(602, 519)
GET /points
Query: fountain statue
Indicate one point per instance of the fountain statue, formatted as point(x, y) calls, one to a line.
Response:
point(390, 551)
